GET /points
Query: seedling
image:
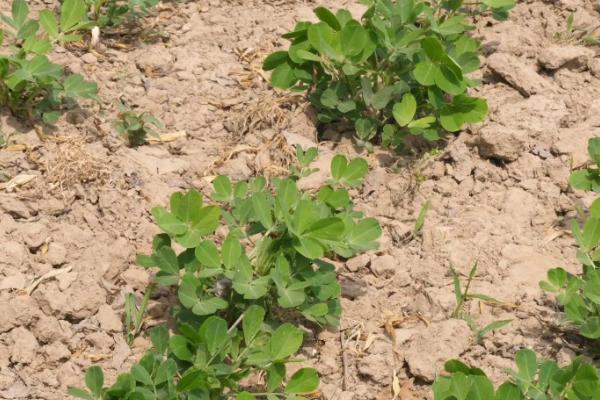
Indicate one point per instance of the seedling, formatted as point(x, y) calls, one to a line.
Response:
point(236, 292)
point(462, 296)
point(399, 70)
point(136, 127)
point(421, 218)
point(533, 379)
point(30, 85)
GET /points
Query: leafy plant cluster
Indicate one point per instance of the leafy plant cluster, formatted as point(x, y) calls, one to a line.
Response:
point(31, 86)
point(580, 295)
point(239, 296)
point(135, 127)
point(533, 379)
point(112, 13)
point(402, 69)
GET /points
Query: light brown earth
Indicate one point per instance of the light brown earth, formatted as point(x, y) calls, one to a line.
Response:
point(498, 194)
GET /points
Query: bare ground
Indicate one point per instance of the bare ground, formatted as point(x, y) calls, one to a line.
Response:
point(498, 194)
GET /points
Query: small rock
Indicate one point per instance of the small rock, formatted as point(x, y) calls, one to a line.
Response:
point(384, 266)
point(572, 57)
point(594, 66)
point(57, 352)
point(236, 169)
point(34, 234)
point(65, 280)
point(8, 317)
point(519, 75)
point(57, 254)
point(14, 207)
point(89, 58)
point(16, 281)
point(441, 341)
point(108, 319)
point(24, 346)
point(501, 143)
point(136, 277)
point(358, 262)
point(377, 364)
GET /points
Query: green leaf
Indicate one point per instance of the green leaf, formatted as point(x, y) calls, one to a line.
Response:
point(275, 375)
point(329, 229)
point(186, 206)
point(355, 171)
point(28, 29)
point(354, 38)
point(72, 12)
point(338, 166)
point(382, 97)
point(79, 393)
point(207, 254)
point(425, 72)
point(140, 374)
point(252, 323)
point(209, 305)
point(285, 341)
point(48, 22)
point(179, 347)
point(223, 189)
point(287, 194)
point(275, 59)
point(508, 391)
point(450, 80)
point(166, 259)
point(591, 328)
point(159, 336)
point(94, 380)
point(526, 361)
point(464, 109)
point(433, 48)
point(75, 86)
point(20, 10)
point(304, 381)
point(405, 110)
point(283, 76)
point(214, 333)
point(365, 128)
point(262, 209)
point(232, 251)
point(363, 235)
point(594, 149)
point(328, 17)
point(324, 39)
point(245, 396)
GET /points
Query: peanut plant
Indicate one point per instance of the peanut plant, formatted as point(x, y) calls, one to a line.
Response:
point(239, 293)
point(533, 380)
point(31, 86)
point(580, 295)
point(402, 69)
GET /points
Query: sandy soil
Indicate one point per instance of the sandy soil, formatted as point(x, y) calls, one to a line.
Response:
point(498, 194)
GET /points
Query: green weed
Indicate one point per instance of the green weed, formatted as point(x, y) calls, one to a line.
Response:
point(463, 295)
